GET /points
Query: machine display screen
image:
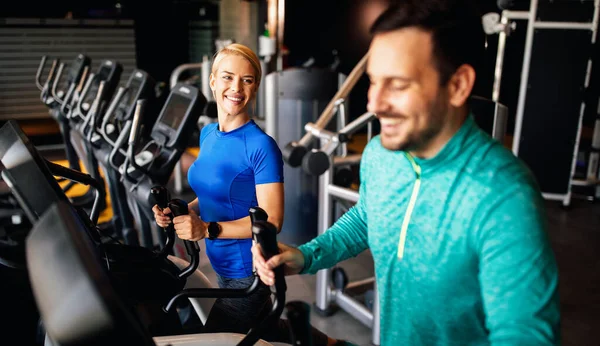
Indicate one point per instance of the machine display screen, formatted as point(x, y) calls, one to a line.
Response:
point(175, 111)
point(26, 173)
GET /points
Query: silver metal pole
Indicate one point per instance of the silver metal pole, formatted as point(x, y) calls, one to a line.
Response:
point(271, 97)
point(359, 311)
point(205, 75)
point(323, 298)
point(499, 61)
point(280, 27)
point(375, 336)
point(524, 77)
point(594, 28)
point(563, 25)
point(342, 192)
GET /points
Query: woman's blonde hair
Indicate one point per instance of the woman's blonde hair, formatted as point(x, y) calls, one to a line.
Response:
point(243, 51)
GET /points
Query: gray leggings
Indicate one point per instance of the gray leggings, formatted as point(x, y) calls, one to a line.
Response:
point(239, 315)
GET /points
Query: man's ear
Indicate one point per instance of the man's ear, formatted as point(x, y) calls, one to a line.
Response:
point(460, 85)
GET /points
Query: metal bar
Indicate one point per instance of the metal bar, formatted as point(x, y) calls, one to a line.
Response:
point(206, 78)
point(319, 132)
point(594, 29)
point(280, 29)
point(353, 159)
point(354, 308)
point(322, 297)
point(499, 61)
point(260, 112)
point(357, 123)
point(174, 78)
point(554, 196)
point(343, 92)
point(271, 105)
point(524, 78)
point(595, 20)
point(364, 282)
point(515, 14)
point(563, 25)
point(342, 192)
point(375, 336)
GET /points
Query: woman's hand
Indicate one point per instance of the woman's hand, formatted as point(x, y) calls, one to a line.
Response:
point(161, 216)
point(190, 227)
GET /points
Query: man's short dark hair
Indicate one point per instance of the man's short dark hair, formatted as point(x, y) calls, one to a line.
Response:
point(455, 25)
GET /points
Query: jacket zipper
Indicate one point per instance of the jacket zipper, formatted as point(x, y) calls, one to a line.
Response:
point(411, 205)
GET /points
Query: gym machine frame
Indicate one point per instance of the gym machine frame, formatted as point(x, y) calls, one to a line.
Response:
point(326, 294)
point(536, 26)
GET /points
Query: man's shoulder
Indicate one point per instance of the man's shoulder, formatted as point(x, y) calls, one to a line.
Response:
point(499, 182)
point(495, 166)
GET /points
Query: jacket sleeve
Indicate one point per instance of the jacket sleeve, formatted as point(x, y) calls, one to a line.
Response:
point(518, 272)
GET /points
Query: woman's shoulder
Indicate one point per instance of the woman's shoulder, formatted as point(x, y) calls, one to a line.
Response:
point(257, 137)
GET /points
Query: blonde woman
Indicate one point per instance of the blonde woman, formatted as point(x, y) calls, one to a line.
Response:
point(239, 166)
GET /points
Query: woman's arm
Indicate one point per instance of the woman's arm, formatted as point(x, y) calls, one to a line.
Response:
point(271, 199)
point(193, 205)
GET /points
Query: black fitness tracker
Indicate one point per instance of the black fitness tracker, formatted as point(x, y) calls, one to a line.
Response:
point(214, 229)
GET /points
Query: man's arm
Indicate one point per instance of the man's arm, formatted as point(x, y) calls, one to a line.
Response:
point(346, 238)
point(518, 272)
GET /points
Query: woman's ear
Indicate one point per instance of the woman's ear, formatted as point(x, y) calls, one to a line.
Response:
point(211, 82)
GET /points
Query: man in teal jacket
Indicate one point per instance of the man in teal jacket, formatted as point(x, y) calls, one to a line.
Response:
point(455, 222)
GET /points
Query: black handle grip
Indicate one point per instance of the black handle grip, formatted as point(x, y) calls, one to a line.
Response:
point(257, 214)
point(191, 247)
point(179, 207)
point(266, 235)
point(160, 196)
point(298, 314)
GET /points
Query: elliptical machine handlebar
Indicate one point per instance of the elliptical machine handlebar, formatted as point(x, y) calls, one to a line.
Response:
point(133, 138)
point(118, 146)
point(74, 93)
point(109, 113)
point(79, 106)
point(180, 207)
point(96, 108)
point(160, 196)
point(46, 87)
point(53, 91)
point(266, 235)
point(82, 178)
point(38, 74)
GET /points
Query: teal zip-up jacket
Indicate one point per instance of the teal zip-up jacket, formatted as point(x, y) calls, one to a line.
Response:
point(472, 264)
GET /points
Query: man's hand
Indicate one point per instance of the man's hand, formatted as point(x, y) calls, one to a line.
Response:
point(291, 258)
point(190, 227)
point(162, 220)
